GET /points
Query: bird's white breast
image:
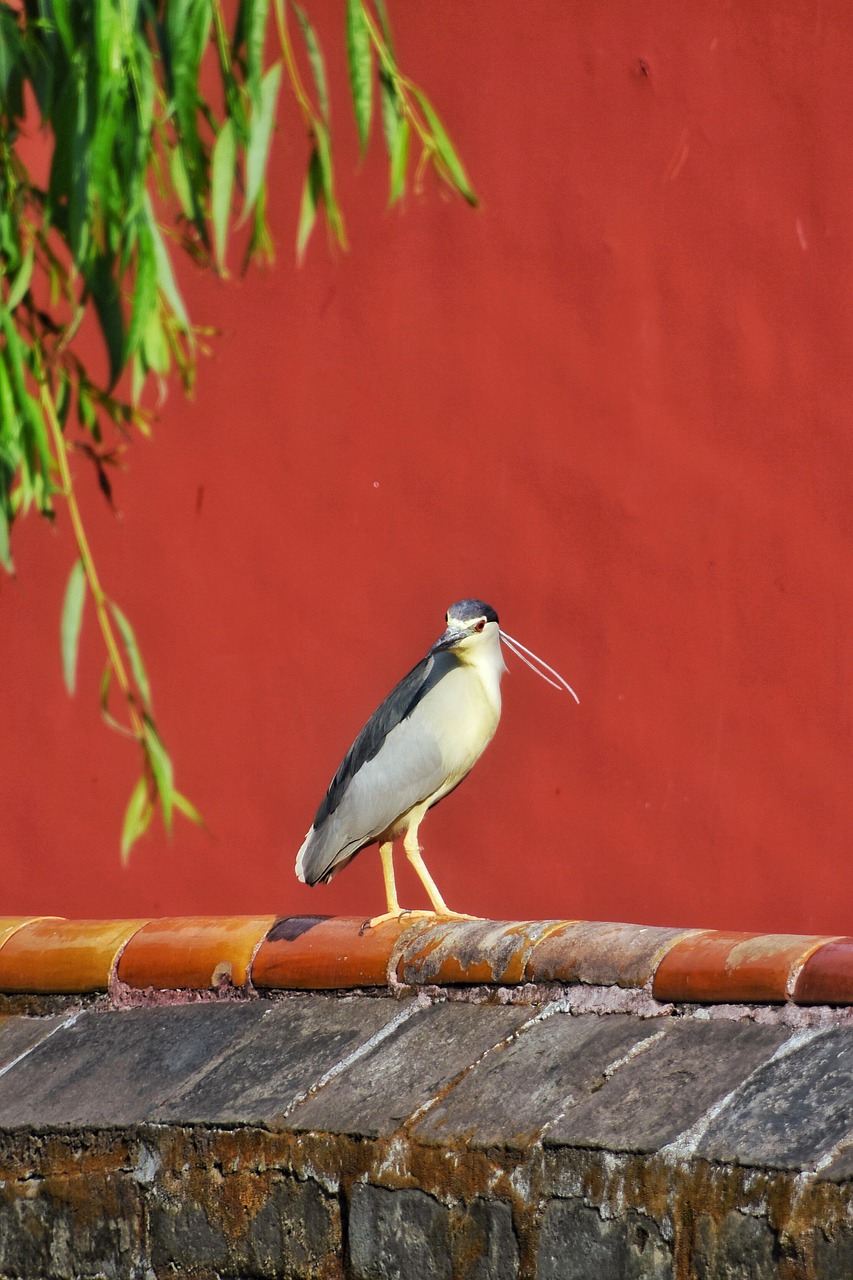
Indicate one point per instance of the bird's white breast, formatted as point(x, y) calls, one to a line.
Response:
point(462, 714)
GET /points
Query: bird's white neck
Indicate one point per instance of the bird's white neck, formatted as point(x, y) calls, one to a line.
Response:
point(487, 659)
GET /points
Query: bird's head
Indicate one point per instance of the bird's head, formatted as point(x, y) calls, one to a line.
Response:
point(474, 635)
point(472, 629)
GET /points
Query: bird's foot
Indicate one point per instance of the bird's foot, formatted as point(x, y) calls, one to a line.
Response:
point(455, 915)
point(397, 915)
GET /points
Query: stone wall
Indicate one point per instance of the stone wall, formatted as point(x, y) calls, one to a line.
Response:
point(366, 1135)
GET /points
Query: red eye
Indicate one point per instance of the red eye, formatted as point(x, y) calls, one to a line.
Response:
point(480, 625)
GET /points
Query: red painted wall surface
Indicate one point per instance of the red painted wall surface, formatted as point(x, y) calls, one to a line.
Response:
point(615, 402)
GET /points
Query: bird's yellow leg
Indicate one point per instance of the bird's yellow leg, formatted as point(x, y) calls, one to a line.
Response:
point(413, 853)
point(395, 911)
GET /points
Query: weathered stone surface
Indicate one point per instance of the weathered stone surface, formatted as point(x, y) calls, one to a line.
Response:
point(398, 1235)
point(18, 1035)
point(833, 1254)
point(792, 1111)
point(245, 1225)
point(741, 1247)
point(408, 1068)
point(449, 951)
point(840, 1169)
point(114, 1068)
point(66, 1228)
point(280, 1057)
point(484, 1243)
point(653, 1097)
point(603, 953)
point(577, 1243)
point(508, 1098)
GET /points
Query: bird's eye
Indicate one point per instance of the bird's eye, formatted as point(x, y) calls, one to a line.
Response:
point(480, 626)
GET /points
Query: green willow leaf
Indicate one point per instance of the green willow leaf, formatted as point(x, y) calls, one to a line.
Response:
point(221, 187)
point(165, 275)
point(260, 136)
point(181, 182)
point(5, 544)
point(253, 23)
point(446, 151)
point(399, 163)
point(103, 288)
point(161, 768)
point(184, 806)
point(324, 157)
point(133, 655)
point(144, 288)
point(391, 114)
point(360, 61)
point(315, 57)
point(137, 817)
point(72, 621)
point(21, 283)
point(311, 194)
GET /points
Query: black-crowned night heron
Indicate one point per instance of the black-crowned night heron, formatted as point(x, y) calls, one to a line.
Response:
point(415, 748)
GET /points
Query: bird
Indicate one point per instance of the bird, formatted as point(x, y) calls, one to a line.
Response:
point(414, 750)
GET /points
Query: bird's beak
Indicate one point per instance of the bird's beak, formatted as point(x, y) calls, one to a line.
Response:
point(451, 637)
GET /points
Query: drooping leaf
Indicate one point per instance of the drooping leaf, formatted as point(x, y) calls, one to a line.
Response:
point(137, 817)
point(221, 187)
point(103, 287)
point(161, 767)
point(133, 655)
point(315, 57)
point(311, 193)
point(252, 30)
point(72, 620)
point(165, 275)
point(144, 287)
point(21, 283)
point(324, 156)
point(446, 150)
point(399, 162)
point(184, 806)
point(260, 135)
point(360, 61)
point(5, 545)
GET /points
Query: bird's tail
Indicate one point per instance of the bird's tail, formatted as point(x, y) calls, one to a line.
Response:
point(321, 856)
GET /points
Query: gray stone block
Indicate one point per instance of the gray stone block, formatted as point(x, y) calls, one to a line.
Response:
point(18, 1035)
point(114, 1068)
point(793, 1111)
point(378, 1093)
point(67, 1228)
point(398, 1235)
point(280, 1057)
point(653, 1097)
point(509, 1097)
point(285, 1228)
point(484, 1242)
point(576, 1243)
point(739, 1248)
point(833, 1254)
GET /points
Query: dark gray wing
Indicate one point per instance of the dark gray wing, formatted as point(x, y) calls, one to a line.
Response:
point(399, 704)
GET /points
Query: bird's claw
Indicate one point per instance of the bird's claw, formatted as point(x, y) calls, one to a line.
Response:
point(413, 914)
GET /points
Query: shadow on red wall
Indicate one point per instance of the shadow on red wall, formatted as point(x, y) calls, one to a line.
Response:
point(614, 402)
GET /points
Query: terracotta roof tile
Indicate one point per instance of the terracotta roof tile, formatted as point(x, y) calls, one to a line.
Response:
point(50, 954)
point(193, 951)
point(733, 967)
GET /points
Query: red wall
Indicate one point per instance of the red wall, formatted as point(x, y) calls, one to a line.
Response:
point(614, 402)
